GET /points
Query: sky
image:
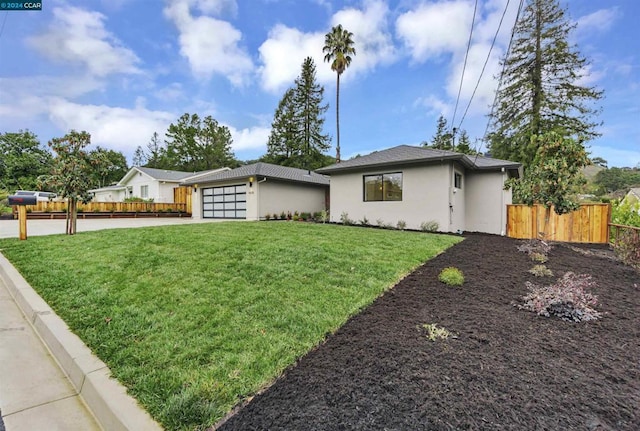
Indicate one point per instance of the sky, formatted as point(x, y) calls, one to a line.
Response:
point(124, 69)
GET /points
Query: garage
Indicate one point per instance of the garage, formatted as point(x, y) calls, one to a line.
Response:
point(228, 202)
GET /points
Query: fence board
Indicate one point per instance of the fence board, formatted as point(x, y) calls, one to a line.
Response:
point(588, 224)
point(131, 207)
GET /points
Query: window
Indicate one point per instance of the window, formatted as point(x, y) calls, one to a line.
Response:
point(144, 192)
point(457, 180)
point(383, 187)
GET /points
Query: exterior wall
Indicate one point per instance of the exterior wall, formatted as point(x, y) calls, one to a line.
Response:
point(457, 201)
point(269, 196)
point(425, 197)
point(277, 196)
point(109, 196)
point(159, 191)
point(486, 202)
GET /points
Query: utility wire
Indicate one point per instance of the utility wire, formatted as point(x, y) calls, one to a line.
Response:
point(484, 66)
point(504, 64)
point(464, 67)
point(4, 21)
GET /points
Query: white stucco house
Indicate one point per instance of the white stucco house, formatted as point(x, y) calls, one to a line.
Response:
point(417, 184)
point(146, 183)
point(251, 192)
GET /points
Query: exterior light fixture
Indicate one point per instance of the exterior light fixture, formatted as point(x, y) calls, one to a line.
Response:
point(250, 181)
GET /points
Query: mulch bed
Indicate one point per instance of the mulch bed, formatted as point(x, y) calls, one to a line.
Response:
point(508, 369)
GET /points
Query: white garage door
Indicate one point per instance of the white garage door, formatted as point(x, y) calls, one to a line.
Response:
point(225, 202)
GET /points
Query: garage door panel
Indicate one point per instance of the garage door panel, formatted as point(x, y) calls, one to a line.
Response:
point(225, 202)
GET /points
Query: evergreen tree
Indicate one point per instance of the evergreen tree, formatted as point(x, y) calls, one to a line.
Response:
point(464, 144)
point(443, 138)
point(22, 161)
point(139, 157)
point(198, 145)
point(156, 153)
point(112, 167)
point(540, 91)
point(308, 100)
point(283, 147)
point(296, 137)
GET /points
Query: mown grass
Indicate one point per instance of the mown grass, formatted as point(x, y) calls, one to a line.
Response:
point(193, 319)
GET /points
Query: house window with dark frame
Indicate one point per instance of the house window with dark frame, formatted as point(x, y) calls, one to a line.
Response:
point(457, 180)
point(383, 187)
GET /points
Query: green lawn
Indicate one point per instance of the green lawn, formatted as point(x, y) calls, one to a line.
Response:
point(195, 318)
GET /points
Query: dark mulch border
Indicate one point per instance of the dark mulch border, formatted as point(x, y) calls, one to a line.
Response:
point(507, 369)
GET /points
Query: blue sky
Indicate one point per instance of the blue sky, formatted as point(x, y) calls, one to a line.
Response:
point(123, 69)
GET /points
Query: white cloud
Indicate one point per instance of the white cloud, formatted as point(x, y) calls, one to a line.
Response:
point(211, 46)
point(250, 138)
point(433, 29)
point(115, 128)
point(78, 36)
point(600, 20)
point(371, 37)
point(285, 49)
point(615, 156)
point(282, 55)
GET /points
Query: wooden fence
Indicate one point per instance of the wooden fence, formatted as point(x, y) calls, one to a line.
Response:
point(110, 207)
point(183, 195)
point(590, 223)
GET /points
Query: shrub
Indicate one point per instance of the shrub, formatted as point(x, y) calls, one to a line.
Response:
point(324, 216)
point(380, 222)
point(429, 226)
point(541, 271)
point(567, 299)
point(535, 246)
point(344, 219)
point(267, 216)
point(435, 332)
point(283, 215)
point(451, 276)
point(538, 257)
point(625, 213)
point(402, 225)
point(364, 221)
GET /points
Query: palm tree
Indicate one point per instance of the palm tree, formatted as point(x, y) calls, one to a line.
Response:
point(338, 49)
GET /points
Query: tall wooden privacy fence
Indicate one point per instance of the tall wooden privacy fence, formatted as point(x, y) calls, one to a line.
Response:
point(115, 207)
point(590, 223)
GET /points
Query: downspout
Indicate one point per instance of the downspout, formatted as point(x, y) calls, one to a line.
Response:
point(451, 171)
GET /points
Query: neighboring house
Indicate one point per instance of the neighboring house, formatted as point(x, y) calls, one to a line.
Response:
point(251, 192)
point(146, 183)
point(633, 197)
point(418, 185)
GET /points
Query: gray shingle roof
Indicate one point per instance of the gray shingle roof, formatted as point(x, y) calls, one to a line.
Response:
point(407, 154)
point(267, 170)
point(165, 174)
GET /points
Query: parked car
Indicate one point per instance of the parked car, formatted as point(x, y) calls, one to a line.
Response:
point(40, 196)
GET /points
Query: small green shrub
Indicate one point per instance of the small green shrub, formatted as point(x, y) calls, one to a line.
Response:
point(538, 257)
point(541, 271)
point(451, 276)
point(364, 221)
point(380, 222)
point(267, 216)
point(401, 225)
point(429, 226)
point(344, 219)
point(283, 215)
point(324, 216)
point(435, 332)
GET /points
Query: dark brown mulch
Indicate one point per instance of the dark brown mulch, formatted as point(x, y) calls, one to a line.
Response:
point(507, 369)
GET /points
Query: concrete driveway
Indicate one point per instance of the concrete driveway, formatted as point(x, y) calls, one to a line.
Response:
point(9, 228)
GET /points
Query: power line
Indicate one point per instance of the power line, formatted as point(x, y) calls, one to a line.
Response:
point(464, 67)
point(493, 42)
point(504, 64)
point(4, 21)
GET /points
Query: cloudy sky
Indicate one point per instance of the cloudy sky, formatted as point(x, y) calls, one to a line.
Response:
point(124, 69)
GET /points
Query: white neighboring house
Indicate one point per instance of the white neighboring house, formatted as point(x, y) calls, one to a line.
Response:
point(633, 197)
point(418, 185)
point(146, 183)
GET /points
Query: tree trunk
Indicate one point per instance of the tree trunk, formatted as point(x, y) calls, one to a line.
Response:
point(338, 117)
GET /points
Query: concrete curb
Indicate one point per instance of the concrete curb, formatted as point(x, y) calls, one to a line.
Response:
point(107, 399)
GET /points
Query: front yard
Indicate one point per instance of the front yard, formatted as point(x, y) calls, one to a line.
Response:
point(193, 319)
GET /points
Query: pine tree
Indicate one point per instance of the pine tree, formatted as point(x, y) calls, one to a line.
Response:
point(296, 137)
point(154, 158)
point(540, 91)
point(308, 100)
point(283, 146)
point(464, 144)
point(139, 157)
point(442, 140)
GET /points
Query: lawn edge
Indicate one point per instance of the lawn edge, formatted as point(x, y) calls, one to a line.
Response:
point(105, 397)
